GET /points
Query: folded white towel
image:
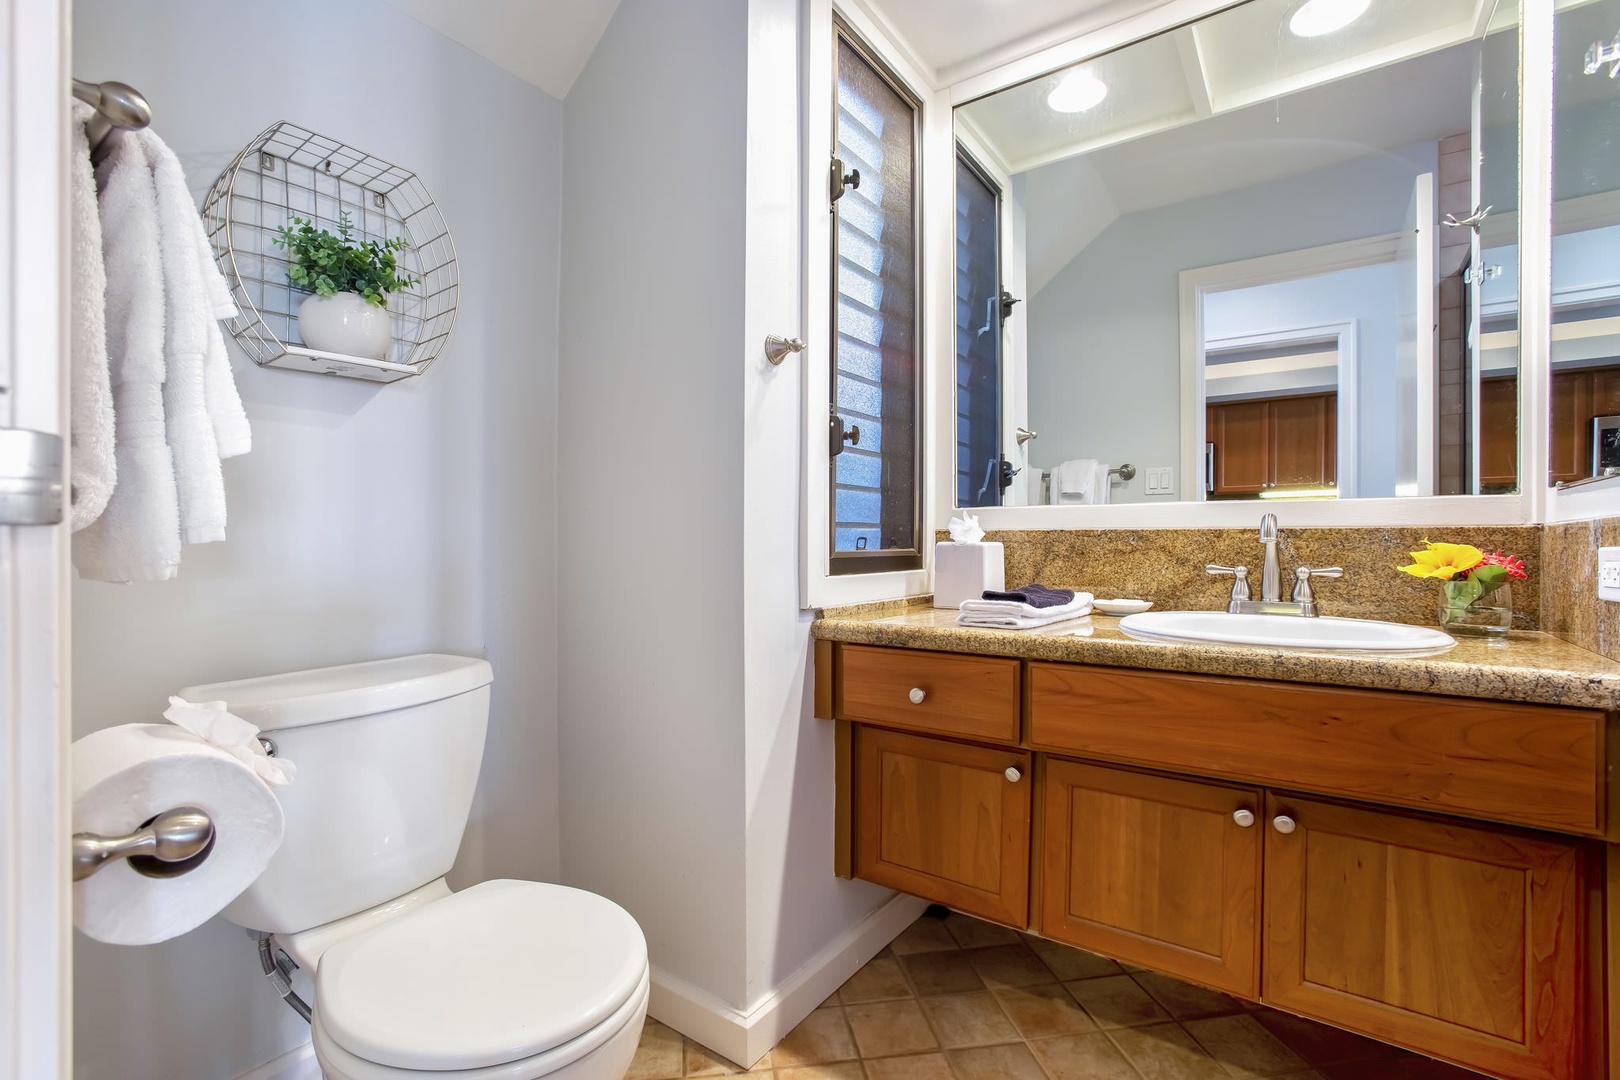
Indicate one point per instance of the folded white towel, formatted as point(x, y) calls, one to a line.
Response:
point(95, 464)
point(1012, 622)
point(1080, 605)
point(1074, 477)
point(188, 314)
point(137, 538)
point(231, 432)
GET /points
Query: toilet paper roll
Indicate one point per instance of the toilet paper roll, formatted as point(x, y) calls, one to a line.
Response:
point(122, 777)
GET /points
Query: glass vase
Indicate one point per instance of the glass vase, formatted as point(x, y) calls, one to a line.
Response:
point(1491, 613)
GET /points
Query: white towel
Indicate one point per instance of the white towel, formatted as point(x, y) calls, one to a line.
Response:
point(1015, 609)
point(95, 465)
point(188, 313)
point(1072, 480)
point(137, 538)
point(1101, 485)
point(231, 431)
point(1010, 622)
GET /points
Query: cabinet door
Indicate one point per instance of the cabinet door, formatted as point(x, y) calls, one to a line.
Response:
point(945, 821)
point(1239, 432)
point(1459, 941)
point(1570, 453)
point(1160, 872)
point(1304, 441)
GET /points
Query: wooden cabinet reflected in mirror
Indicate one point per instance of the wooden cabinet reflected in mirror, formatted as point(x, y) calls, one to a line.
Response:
point(1276, 447)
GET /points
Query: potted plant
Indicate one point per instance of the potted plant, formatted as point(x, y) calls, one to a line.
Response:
point(349, 281)
point(1476, 592)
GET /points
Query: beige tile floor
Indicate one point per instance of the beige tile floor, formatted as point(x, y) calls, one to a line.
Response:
point(960, 999)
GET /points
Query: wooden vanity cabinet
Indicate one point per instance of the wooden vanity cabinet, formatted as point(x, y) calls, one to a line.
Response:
point(945, 820)
point(1156, 871)
point(1467, 942)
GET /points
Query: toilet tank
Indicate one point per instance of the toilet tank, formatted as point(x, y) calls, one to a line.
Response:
point(387, 757)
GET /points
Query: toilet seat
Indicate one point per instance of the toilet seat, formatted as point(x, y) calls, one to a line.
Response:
point(483, 983)
point(601, 1054)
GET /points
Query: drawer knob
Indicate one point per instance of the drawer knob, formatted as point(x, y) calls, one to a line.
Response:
point(1244, 817)
point(917, 694)
point(1284, 824)
point(1012, 774)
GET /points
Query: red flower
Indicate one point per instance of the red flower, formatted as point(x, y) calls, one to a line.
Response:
point(1513, 566)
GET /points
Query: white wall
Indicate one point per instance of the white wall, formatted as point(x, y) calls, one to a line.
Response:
point(1369, 296)
point(368, 521)
point(697, 789)
point(1104, 334)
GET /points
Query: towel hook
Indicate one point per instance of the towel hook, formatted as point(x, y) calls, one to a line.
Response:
point(777, 348)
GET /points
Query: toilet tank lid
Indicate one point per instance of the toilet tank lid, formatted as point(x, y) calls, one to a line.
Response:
point(319, 695)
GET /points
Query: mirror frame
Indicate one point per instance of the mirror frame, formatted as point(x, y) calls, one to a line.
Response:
point(1535, 502)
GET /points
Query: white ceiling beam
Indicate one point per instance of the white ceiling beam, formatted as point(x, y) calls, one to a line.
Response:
point(1191, 54)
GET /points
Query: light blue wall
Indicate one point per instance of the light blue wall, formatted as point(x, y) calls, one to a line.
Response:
point(369, 520)
point(1104, 335)
point(1369, 297)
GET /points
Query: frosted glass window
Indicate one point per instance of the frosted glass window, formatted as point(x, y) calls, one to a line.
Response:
point(876, 400)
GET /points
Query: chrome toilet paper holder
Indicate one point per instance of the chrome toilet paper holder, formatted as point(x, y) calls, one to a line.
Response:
point(173, 843)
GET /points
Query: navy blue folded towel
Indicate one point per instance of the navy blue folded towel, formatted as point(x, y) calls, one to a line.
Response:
point(1036, 596)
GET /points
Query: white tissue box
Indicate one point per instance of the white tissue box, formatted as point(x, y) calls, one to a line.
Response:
point(965, 571)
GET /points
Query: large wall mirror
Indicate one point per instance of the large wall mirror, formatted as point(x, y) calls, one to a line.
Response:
point(1584, 425)
point(1271, 254)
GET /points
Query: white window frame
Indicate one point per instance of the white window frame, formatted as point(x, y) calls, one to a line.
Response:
point(819, 588)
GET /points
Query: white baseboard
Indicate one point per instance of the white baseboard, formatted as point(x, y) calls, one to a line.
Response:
point(744, 1037)
point(296, 1064)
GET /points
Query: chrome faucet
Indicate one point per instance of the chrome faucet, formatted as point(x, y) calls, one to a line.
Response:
point(1271, 601)
point(1271, 572)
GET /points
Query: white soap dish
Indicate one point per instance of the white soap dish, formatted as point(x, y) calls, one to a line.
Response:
point(1122, 607)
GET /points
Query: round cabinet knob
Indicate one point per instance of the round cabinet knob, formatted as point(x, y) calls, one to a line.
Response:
point(1012, 774)
point(1244, 817)
point(1284, 824)
point(917, 694)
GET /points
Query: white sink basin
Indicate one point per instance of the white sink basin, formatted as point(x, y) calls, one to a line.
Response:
point(1288, 631)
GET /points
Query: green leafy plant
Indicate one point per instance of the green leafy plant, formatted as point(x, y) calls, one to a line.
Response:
point(326, 264)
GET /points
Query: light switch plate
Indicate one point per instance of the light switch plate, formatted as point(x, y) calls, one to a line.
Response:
point(1609, 573)
point(1161, 481)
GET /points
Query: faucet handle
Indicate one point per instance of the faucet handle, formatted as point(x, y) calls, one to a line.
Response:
point(1302, 581)
point(1240, 582)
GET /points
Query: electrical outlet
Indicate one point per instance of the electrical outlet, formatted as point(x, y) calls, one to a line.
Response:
point(1161, 481)
point(1609, 573)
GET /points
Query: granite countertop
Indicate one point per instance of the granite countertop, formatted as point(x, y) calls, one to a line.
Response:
point(1529, 666)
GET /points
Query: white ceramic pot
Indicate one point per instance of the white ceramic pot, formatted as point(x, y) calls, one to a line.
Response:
point(344, 323)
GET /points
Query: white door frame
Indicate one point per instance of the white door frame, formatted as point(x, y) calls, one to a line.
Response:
point(1195, 284)
point(35, 902)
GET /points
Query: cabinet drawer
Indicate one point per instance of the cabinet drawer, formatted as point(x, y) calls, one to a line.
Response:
point(971, 696)
point(1526, 764)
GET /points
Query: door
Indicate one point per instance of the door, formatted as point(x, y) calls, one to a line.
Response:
point(1462, 940)
point(35, 912)
point(1152, 870)
point(1240, 433)
point(944, 820)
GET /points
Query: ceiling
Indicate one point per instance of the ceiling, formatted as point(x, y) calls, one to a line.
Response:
point(954, 38)
point(1224, 63)
point(543, 42)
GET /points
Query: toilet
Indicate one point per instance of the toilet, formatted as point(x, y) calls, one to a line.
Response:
point(504, 980)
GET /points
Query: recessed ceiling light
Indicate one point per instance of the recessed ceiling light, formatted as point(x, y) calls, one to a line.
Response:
point(1317, 17)
point(1077, 92)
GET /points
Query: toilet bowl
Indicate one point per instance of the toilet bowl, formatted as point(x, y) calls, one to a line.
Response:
point(504, 980)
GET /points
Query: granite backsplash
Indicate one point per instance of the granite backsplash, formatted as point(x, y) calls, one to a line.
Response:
point(1569, 600)
point(1166, 566)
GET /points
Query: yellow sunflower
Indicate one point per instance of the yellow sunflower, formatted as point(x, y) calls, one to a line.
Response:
point(1444, 561)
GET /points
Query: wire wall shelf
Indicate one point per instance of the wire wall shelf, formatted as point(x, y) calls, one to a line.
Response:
point(290, 171)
